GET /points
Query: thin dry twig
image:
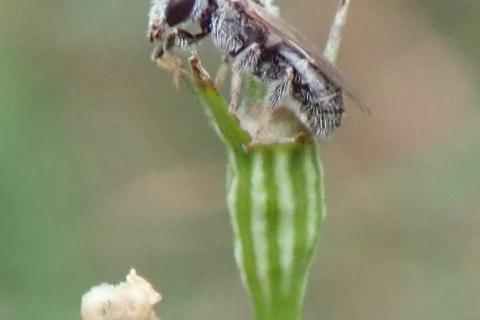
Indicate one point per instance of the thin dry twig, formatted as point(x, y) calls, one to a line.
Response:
point(337, 31)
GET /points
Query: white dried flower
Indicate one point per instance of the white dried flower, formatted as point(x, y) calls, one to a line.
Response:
point(130, 300)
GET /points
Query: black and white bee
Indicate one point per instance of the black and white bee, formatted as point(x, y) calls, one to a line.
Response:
point(259, 43)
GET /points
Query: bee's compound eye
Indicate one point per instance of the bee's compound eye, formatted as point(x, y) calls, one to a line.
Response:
point(178, 11)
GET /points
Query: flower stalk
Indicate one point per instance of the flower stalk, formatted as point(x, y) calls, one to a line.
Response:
point(275, 195)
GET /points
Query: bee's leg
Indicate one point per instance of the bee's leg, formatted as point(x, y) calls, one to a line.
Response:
point(247, 59)
point(170, 63)
point(178, 38)
point(173, 65)
point(280, 89)
point(157, 53)
point(182, 38)
point(222, 72)
point(155, 31)
point(235, 89)
point(274, 97)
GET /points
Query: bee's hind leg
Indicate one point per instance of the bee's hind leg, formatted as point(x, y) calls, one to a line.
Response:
point(280, 89)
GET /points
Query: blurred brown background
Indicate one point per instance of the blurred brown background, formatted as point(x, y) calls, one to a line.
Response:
point(104, 166)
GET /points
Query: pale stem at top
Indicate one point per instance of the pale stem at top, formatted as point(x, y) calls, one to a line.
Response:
point(336, 32)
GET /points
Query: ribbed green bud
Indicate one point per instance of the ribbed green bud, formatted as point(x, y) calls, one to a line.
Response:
point(276, 205)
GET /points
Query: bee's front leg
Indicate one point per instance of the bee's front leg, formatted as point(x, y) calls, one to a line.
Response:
point(235, 89)
point(177, 38)
point(156, 31)
point(222, 72)
point(158, 52)
point(182, 39)
point(170, 62)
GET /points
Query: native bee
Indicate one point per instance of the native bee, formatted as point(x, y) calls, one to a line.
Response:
point(261, 44)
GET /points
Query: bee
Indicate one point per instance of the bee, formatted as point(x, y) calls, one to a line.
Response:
point(261, 44)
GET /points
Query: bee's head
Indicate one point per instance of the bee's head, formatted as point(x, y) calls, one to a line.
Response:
point(165, 14)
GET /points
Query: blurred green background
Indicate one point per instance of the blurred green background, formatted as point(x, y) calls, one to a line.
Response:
point(104, 166)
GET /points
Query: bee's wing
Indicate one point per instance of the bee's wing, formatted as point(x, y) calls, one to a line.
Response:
point(288, 34)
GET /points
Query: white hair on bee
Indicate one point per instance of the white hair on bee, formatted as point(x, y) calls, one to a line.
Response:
point(157, 10)
point(198, 9)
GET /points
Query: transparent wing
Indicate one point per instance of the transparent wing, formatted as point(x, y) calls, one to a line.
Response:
point(288, 34)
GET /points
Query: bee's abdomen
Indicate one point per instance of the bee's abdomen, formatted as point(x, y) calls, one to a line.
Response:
point(323, 109)
point(323, 121)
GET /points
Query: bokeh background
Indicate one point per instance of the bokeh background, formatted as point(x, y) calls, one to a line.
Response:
point(105, 166)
